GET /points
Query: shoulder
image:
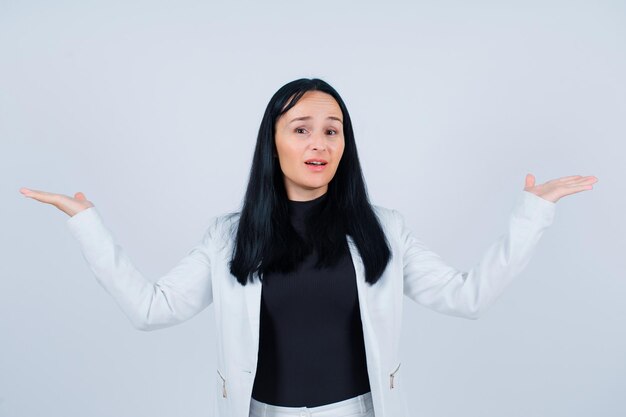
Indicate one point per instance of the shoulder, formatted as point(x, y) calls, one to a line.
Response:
point(382, 210)
point(221, 227)
point(390, 218)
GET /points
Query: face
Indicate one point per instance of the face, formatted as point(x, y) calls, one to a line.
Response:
point(310, 130)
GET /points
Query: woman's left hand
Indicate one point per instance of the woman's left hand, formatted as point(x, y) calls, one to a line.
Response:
point(553, 190)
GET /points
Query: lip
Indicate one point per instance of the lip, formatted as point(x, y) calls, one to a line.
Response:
point(316, 168)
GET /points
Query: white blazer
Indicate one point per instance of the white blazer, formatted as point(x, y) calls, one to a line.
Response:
point(203, 278)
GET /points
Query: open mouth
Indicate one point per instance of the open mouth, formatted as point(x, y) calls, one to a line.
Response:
point(316, 166)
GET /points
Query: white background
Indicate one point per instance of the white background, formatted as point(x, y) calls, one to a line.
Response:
point(152, 110)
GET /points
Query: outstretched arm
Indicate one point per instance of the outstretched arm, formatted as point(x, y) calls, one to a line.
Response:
point(430, 281)
point(178, 295)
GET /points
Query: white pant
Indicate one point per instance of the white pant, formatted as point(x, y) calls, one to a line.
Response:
point(359, 406)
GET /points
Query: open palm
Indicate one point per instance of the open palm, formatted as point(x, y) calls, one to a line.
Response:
point(67, 204)
point(554, 190)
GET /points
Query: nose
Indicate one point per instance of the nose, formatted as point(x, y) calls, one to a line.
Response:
point(318, 141)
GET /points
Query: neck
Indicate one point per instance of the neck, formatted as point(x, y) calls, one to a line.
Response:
point(300, 209)
point(299, 194)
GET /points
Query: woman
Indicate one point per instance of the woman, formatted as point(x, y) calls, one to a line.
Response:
point(307, 280)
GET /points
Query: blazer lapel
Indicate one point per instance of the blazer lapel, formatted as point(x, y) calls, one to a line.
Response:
point(372, 348)
point(252, 292)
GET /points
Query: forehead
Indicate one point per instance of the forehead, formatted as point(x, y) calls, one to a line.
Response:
point(315, 101)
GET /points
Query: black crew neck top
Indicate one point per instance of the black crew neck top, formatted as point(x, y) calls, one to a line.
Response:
point(311, 348)
point(299, 210)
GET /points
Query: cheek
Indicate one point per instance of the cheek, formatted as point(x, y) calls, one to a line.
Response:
point(292, 153)
point(290, 156)
point(338, 148)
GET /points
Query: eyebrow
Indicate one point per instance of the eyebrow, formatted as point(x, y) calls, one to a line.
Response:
point(309, 117)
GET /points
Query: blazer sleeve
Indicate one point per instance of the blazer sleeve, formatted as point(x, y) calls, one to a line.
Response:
point(430, 281)
point(178, 295)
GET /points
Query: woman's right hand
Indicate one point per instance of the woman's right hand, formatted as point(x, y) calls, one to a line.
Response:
point(68, 205)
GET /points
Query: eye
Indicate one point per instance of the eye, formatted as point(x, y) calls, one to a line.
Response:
point(333, 130)
point(299, 128)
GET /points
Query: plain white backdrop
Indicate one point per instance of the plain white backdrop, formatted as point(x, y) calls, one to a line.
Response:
point(151, 108)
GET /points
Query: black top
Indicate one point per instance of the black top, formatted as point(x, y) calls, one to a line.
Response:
point(311, 349)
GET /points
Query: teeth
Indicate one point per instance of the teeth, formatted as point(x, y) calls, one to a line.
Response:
point(315, 163)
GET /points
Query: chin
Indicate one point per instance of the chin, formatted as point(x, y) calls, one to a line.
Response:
point(314, 186)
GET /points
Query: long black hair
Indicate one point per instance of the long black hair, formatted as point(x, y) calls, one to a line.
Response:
point(266, 241)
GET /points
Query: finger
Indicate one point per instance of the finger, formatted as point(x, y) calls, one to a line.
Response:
point(584, 180)
point(577, 189)
point(43, 196)
point(571, 177)
point(578, 186)
point(28, 192)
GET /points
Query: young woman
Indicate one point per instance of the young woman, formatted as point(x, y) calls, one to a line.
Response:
point(308, 278)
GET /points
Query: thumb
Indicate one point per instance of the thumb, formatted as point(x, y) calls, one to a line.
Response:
point(530, 180)
point(80, 196)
